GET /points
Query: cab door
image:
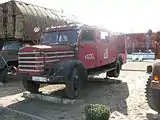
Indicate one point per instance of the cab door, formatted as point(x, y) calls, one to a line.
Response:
point(87, 50)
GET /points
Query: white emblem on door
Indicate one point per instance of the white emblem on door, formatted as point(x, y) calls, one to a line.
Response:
point(89, 56)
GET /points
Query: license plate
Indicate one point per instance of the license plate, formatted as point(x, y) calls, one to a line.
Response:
point(39, 79)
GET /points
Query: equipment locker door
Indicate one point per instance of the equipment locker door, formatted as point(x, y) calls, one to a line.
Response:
point(106, 49)
point(88, 49)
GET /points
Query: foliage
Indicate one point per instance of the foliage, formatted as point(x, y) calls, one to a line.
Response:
point(97, 112)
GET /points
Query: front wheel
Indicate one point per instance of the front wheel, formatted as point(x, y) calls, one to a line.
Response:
point(115, 72)
point(3, 75)
point(152, 96)
point(5, 72)
point(73, 84)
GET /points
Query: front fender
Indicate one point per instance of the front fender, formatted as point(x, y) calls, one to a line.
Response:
point(63, 68)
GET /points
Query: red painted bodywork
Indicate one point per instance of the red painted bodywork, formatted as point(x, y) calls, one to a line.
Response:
point(115, 45)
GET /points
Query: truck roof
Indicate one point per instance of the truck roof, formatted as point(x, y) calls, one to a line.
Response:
point(79, 26)
point(74, 26)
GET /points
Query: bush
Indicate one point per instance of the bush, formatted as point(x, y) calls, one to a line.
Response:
point(97, 112)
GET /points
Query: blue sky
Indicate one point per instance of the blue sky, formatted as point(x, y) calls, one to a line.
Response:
point(116, 15)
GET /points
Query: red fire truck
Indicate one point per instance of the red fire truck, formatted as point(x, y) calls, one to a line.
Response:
point(68, 54)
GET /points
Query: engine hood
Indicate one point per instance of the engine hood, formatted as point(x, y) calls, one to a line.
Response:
point(45, 48)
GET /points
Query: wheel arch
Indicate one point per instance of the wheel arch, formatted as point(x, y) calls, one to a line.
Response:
point(65, 67)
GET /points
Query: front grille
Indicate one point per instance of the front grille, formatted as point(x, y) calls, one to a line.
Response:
point(30, 61)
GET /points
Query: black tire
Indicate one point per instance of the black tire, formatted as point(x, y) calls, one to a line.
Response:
point(73, 84)
point(31, 86)
point(116, 72)
point(3, 75)
point(83, 76)
point(149, 69)
point(152, 96)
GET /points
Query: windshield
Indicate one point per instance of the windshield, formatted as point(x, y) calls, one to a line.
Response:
point(12, 46)
point(67, 36)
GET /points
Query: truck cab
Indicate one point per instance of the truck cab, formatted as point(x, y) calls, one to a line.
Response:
point(68, 54)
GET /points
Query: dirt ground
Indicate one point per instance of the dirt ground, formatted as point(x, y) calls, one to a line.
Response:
point(124, 96)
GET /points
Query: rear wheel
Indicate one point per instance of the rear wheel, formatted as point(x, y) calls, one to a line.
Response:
point(152, 96)
point(115, 72)
point(6, 71)
point(31, 86)
point(73, 84)
point(3, 75)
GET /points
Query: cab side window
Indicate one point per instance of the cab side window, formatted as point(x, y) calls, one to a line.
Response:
point(104, 35)
point(87, 36)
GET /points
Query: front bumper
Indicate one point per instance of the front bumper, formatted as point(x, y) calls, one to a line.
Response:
point(44, 79)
